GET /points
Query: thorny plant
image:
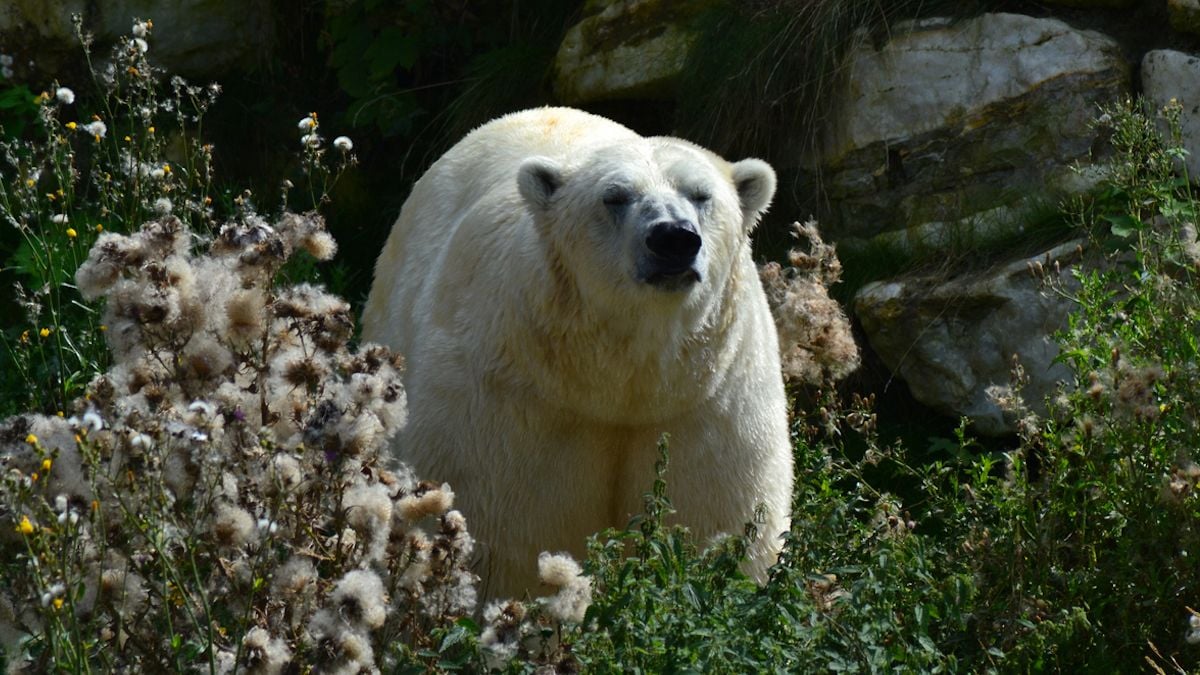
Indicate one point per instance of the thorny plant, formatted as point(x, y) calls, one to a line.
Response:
point(219, 495)
point(815, 341)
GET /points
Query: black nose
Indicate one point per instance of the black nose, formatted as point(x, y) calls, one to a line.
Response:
point(675, 242)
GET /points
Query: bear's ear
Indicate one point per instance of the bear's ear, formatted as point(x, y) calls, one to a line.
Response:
point(755, 183)
point(538, 179)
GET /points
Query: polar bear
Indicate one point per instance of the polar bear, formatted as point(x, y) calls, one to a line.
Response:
point(565, 292)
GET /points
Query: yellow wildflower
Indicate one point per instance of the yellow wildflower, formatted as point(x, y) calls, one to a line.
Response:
point(46, 464)
point(72, 126)
point(58, 603)
point(31, 439)
point(25, 527)
point(99, 227)
point(25, 337)
point(151, 130)
point(71, 233)
point(33, 476)
point(45, 332)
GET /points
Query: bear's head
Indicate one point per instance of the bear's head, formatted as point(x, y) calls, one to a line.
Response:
point(657, 217)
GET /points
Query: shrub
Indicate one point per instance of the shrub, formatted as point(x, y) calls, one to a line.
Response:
point(1081, 536)
point(218, 495)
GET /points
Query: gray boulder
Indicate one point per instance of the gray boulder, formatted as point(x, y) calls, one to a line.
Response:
point(952, 339)
point(947, 120)
point(626, 49)
point(1167, 75)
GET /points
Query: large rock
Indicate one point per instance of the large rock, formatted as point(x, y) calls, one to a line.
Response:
point(951, 119)
point(626, 49)
point(193, 38)
point(951, 340)
point(1175, 75)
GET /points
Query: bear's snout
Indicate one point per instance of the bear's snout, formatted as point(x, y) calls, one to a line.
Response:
point(675, 245)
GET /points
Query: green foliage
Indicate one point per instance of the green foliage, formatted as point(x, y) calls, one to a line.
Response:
point(18, 110)
point(666, 608)
point(856, 589)
point(1082, 535)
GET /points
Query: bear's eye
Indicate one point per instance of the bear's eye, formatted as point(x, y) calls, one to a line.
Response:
point(617, 196)
point(700, 197)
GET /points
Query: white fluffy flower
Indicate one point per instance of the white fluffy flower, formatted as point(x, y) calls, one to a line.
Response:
point(162, 206)
point(140, 45)
point(7, 72)
point(310, 140)
point(343, 143)
point(202, 407)
point(92, 421)
point(65, 96)
point(59, 219)
point(96, 128)
point(140, 29)
point(558, 570)
point(6, 60)
point(361, 599)
point(232, 526)
point(574, 595)
point(307, 124)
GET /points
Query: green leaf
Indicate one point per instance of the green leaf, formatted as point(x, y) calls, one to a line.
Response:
point(390, 49)
point(1124, 225)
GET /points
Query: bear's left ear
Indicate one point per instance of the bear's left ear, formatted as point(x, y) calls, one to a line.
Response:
point(755, 183)
point(538, 179)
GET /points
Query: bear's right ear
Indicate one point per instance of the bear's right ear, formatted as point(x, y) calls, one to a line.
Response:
point(538, 179)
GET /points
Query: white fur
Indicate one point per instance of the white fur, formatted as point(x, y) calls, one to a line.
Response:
point(541, 372)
